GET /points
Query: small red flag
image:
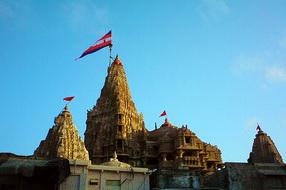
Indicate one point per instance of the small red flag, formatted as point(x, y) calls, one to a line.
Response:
point(69, 98)
point(163, 114)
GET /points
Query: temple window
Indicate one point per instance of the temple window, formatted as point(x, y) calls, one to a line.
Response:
point(170, 157)
point(155, 149)
point(119, 128)
point(119, 117)
point(112, 184)
point(187, 139)
point(119, 144)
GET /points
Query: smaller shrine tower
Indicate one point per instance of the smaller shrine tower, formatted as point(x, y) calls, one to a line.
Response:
point(62, 141)
point(264, 149)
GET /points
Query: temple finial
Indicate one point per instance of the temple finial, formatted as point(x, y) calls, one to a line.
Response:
point(114, 157)
point(258, 128)
point(117, 60)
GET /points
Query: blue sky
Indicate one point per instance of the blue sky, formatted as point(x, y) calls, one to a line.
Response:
point(217, 66)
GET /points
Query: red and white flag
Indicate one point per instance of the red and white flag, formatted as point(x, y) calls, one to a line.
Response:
point(99, 44)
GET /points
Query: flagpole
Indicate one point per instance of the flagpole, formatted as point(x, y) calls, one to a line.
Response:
point(110, 49)
point(68, 99)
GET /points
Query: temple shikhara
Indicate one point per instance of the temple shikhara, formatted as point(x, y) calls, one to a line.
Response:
point(264, 149)
point(114, 123)
point(63, 140)
point(119, 152)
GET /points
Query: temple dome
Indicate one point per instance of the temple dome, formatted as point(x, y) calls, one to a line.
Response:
point(114, 162)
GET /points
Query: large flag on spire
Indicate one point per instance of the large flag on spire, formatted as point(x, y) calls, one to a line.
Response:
point(99, 44)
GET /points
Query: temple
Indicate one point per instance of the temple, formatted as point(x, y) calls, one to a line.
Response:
point(264, 149)
point(62, 141)
point(264, 169)
point(114, 124)
point(118, 152)
point(170, 147)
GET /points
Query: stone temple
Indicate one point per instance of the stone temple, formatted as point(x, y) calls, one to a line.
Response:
point(265, 169)
point(114, 124)
point(62, 141)
point(118, 152)
point(264, 150)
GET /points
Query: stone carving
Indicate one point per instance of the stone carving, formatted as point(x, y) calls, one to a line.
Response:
point(62, 141)
point(264, 149)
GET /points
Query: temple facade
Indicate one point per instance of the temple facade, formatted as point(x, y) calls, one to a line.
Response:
point(114, 124)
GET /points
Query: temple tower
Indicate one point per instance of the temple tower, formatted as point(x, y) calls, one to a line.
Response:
point(62, 141)
point(114, 123)
point(264, 149)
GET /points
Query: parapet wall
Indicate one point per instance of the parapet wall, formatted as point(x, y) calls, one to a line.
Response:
point(242, 176)
point(86, 176)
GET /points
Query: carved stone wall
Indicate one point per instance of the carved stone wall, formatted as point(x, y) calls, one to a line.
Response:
point(63, 140)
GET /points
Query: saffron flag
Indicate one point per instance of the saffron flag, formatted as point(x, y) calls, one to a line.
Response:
point(69, 98)
point(99, 44)
point(163, 114)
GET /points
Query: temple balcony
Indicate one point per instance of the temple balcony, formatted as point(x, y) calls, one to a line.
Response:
point(212, 159)
point(189, 147)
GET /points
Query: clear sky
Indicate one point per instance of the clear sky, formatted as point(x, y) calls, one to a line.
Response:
point(217, 66)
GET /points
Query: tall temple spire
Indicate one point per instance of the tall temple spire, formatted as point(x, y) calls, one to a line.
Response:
point(63, 140)
point(114, 123)
point(264, 149)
